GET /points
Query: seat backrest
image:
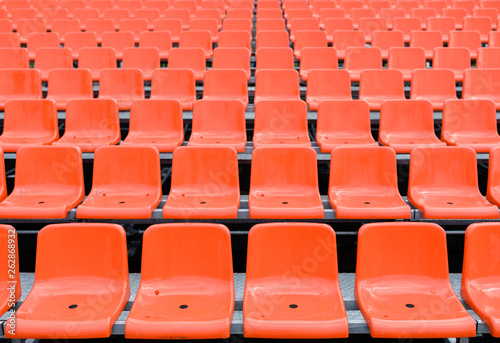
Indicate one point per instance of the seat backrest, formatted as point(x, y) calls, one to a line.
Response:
point(178, 13)
point(478, 115)
point(14, 58)
point(270, 24)
point(231, 58)
point(335, 24)
point(276, 116)
point(27, 26)
point(481, 259)
point(224, 82)
point(9, 268)
point(418, 117)
point(274, 58)
point(94, 117)
point(84, 14)
point(172, 25)
point(456, 13)
point(162, 40)
point(196, 39)
point(443, 25)
point(78, 40)
point(363, 58)
point(122, 82)
point(481, 83)
point(99, 26)
point(219, 116)
point(173, 82)
point(38, 40)
point(136, 25)
point(381, 83)
point(318, 58)
point(118, 40)
point(70, 82)
point(187, 58)
point(48, 59)
point(343, 116)
point(387, 39)
point(432, 82)
point(315, 38)
point(146, 59)
point(271, 39)
point(208, 24)
point(465, 39)
point(299, 24)
point(488, 58)
point(406, 59)
point(456, 59)
point(154, 115)
point(10, 40)
point(481, 24)
point(64, 26)
point(20, 84)
point(116, 14)
point(150, 14)
point(346, 39)
point(97, 59)
point(277, 83)
point(235, 39)
point(319, 83)
point(426, 39)
point(238, 25)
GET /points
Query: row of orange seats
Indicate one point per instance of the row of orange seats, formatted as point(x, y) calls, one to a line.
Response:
point(291, 289)
point(205, 183)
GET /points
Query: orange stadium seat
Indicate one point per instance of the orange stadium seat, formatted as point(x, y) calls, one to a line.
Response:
point(493, 39)
point(435, 85)
point(466, 39)
point(65, 26)
point(488, 58)
point(237, 25)
point(310, 306)
point(211, 13)
point(123, 85)
point(235, 39)
point(471, 123)
point(217, 171)
point(269, 24)
point(85, 14)
point(406, 60)
point(358, 13)
point(415, 128)
point(428, 40)
point(96, 60)
point(78, 263)
point(69, 84)
point(391, 14)
point(38, 40)
point(274, 13)
point(188, 58)
point(444, 25)
point(160, 40)
point(276, 85)
point(456, 59)
point(219, 123)
point(407, 26)
point(226, 84)
point(174, 84)
point(443, 184)
point(333, 25)
point(116, 14)
point(342, 40)
point(48, 59)
point(25, 27)
point(465, 4)
point(349, 5)
point(11, 292)
point(10, 40)
point(172, 25)
point(303, 24)
point(319, 5)
point(309, 39)
point(385, 40)
point(14, 58)
point(364, 184)
point(19, 84)
point(119, 189)
point(438, 5)
point(232, 58)
point(456, 13)
point(182, 14)
point(155, 123)
point(409, 259)
point(40, 191)
point(79, 40)
point(317, 58)
point(282, 188)
point(360, 59)
point(118, 41)
point(144, 59)
point(201, 275)
point(271, 39)
point(481, 24)
point(482, 84)
point(100, 5)
point(369, 25)
point(209, 24)
point(136, 26)
point(377, 86)
point(343, 123)
point(320, 87)
point(423, 14)
point(197, 39)
point(91, 124)
point(274, 58)
point(100, 26)
point(150, 14)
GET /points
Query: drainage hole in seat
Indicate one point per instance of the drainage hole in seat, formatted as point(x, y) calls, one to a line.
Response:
point(72, 306)
point(285, 202)
point(293, 305)
point(410, 305)
point(182, 307)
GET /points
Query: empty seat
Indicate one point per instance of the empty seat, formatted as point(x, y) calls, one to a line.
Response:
point(435, 85)
point(29, 122)
point(338, 24)
point(12, 58)
point(120, 190)
point(226, 84)
point(85, 14)
point(390, 14)
point(100, 26)
point(423, 14)
point(270, 13)
point(470, 123)
point(239, 13)
point(274, 58)
point(91, 124)
point(48, 59)
point(78, 263)
point(209, 24)
point(276, 85)
point(79, 40)
point(271, 39)
point(466, 4)
point(369, 25)
point(456, 13)
point(25, 27)
point(11, 281)
point(179, 13)
point(211, 13)
point(69, 84)
point(406, 60)
point(301, 24)
point(238, 25)
point(310, 306)
point(144, 59)
point(123, 85)
point(197, 39)
point(493, 39)
point(150, 14)
point(364, 184)
point(96, 60)
point(309, 39)
point(443, 25)
point(317, 58)
point(443, 184)
point(280, 122)
point(406, 124)
point(232, 58)
point(188, 58)
point(174, 84)
point(219, 123)
point(407, 26)
point(155, 123)
point(10, 40)
point(173, 25)
point(320, 87)
point(282, 188)
point(136, 26)
point(235, 39)
point(343, 122)
point(358, 13)
point(160, 40)
point(360, 59)
point(269, 25)
point(201, 276)
point(342, 40)
point(65, 26)
point(456, 59)
point(482, 84)
point(118, 41)
point(466, 39)
point(116, 14)
point(488, 58)
point(428, 40)
point(40, 191)
point(214, 168)
point(38, 40)
point(438, 5)
point(481, 24)
point(100, 5)
point(401, 268)
point(19, 84)
point(376, 86)
point(385, 40)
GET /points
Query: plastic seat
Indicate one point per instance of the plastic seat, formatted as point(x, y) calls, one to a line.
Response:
point(39, 40)
point(363, 184)
point(347, 39)
point(349, 5)
point(79, 40)
point(369, 25)
point(123, 85)
point(116, 14)
point(466, 39)
point(39, 190)
point(226, 84)
point(493, 39)
point(96, 60)
point(317, 58)
point(235, 39)
point(29, 122)
point(310, 306)
point(84, 14)
point(75, 265)
point(407, 26)
point(232, 58)
point(197, 39)
point(384, 40)
point(406, 60)
point(444, 25)
point(174, 26)
point(91, 124)
point(376, 86)
point(415, 128)
point(443, 184)
point(100, 26)
point(390, 14)
point(488, 58)
point(423, 14)
point(274, 13)
point(435, 85)
point(309, 39)
point(186, 201)
point(470, 123)
point(190, 5)
point(360, 59)
point(438, 5)
point(72, 5)
point(319, 5)
point(237, 25)
point(182, 14)
point(465, 4)
point(10, 40)
point(456, 59)
point(428, 40)
point(481, 24)
point(25, 27)
point(482, 84)
point(211, 13)
point(271, 39)
point(274, 58)
point(491, 13)
point(161, 40)
point(11, 291)
point(136, 26)
point(118, 41)
point(22, 13)
point(64, 26)
point(5, 26)
point(456, 13)
point(19, 84)
point(281, 122)
point(144, 59)
point(10, 5)
point(321, 88)
point(48, 59)
point(408, 6)
point(150, 14)
point(12, 58)
point(268, 24)
point(343, 123)
point(297, 13)
point(401, 268)
point(188, 58)
point(209, 24)
point(282, 188)
point(119, 189)
point(69, 84)
point(276, 85)
point(174, 84)
point(358, 13)
point(155, 123)
point(201, 256)
point(303, 24)
point(100, 5)
point(337, 24)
